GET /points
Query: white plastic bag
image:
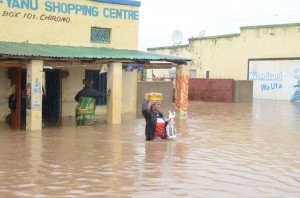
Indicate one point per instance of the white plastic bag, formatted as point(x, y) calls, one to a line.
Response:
point(171, 130)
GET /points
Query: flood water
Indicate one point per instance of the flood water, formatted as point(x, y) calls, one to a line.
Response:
point(221, 150)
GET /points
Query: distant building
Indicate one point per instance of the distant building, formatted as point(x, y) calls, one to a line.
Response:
point(269, 55)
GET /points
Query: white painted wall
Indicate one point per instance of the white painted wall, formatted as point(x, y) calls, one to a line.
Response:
point(275, 79)
point(227, 56)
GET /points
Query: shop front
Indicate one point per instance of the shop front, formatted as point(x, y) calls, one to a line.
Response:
point(49, 47)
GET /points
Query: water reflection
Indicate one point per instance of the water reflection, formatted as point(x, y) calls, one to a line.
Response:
point(222, 150)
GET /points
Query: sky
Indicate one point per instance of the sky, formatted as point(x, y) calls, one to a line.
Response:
point(160, 18)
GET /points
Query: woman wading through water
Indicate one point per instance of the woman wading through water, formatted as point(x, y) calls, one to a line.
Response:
point(155, 123)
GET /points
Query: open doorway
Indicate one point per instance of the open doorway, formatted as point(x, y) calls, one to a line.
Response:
point(52, 98)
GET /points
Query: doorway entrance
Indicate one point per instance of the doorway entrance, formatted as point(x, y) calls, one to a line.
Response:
point(52, 98)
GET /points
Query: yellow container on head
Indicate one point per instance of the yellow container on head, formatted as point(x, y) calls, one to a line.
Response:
point(156, 96)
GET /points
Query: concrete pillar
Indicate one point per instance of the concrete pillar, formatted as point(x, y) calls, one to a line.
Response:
point(129, 91)
point(34, 95)
point(181, 91)
point(114, 83)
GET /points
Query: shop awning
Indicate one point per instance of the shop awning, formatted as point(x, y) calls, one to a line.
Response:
point(12, 50)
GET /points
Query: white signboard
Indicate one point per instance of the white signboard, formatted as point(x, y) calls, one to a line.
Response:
point(37, 96)
point(275, 79)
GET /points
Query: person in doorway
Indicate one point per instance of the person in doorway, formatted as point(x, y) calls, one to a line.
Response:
point(12, 103)
point(23, 108)
point(12, 99)
point(86, 98)
point(155, 123)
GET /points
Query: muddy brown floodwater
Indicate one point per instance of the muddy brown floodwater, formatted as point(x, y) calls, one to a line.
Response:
point(221, 150)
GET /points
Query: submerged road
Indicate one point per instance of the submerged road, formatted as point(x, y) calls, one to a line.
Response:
point(221, 150)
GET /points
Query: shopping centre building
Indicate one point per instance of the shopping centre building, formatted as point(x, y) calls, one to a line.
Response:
point(48, 47)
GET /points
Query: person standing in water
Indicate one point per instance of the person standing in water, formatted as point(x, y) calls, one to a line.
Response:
point(86, 98)
point(155, 124)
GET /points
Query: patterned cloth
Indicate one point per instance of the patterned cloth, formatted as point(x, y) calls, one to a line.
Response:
point(160, 129)
point(85, 111)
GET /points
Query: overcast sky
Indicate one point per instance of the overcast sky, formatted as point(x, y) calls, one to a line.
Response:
point(160, 18)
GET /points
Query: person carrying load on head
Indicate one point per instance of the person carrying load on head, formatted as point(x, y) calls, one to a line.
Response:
point(86, 98)
point(155, 123)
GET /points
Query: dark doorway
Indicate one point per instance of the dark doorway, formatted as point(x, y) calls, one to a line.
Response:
point(23, 98)
point(15, 76)
point(52, 98)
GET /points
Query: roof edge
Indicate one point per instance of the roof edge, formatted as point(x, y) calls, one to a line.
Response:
point(121, 2)
point(168, 47)
point(214, 37)
point(56, 45)
point(14, 49)
point(270, 26)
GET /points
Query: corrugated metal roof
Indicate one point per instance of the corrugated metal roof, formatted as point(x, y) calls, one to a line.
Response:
point(71, 52)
